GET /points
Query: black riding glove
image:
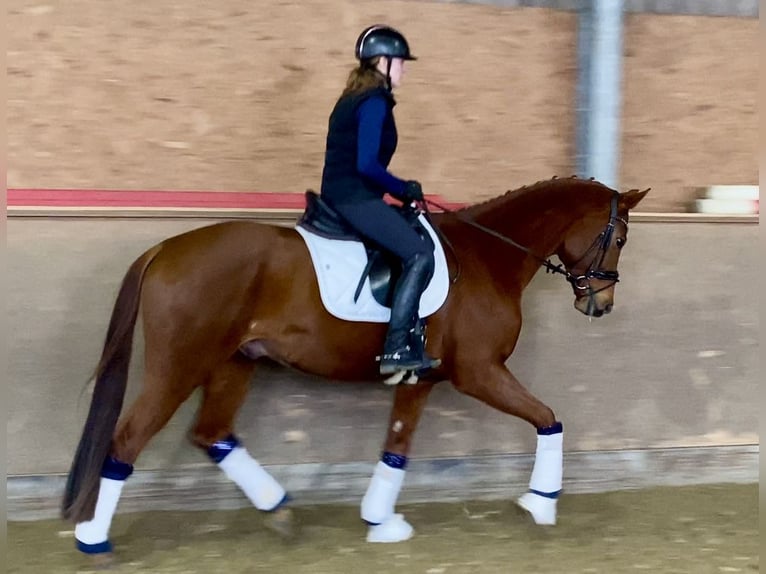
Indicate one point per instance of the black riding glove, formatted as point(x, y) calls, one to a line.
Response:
point(413, 191)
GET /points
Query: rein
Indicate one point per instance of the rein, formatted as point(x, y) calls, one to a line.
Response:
point(602, 243)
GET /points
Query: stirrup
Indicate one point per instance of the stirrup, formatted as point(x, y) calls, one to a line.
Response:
point(399, 360)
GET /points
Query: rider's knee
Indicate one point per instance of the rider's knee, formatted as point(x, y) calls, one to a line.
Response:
point(423, 258)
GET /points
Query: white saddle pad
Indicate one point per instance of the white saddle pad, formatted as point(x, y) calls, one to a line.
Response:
point(339, 265)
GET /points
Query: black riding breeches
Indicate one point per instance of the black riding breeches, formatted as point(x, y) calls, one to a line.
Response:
point(379, 222)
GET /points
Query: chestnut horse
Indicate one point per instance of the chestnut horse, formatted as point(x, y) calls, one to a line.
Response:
point(216, 299)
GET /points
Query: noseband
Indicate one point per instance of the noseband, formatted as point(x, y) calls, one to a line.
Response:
point(579, 282)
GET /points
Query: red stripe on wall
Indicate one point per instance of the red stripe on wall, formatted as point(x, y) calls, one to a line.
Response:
point(98, 198)
point(142, 198)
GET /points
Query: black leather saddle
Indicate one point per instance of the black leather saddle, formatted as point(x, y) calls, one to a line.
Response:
point(383, 267)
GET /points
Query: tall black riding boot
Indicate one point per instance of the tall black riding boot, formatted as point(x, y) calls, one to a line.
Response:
point(400, 351)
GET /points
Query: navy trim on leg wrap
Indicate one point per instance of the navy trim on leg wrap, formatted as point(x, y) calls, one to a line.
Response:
point(551, 495)
point(555, 428)
point(116, 469)
point(394, 460)
point(219, 450)
point(100, 548)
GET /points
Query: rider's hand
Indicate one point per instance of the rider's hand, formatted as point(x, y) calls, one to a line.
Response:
point(413, 191)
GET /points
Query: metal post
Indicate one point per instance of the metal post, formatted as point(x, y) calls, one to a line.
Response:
point(584, 57)
point(600, 44)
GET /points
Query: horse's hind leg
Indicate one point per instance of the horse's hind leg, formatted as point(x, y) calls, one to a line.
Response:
point(496, 386)
point(213, 432)
point(380, 499)
point(159, 399)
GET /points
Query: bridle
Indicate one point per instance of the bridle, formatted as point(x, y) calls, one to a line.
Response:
point(579, 282)
point(600, 245)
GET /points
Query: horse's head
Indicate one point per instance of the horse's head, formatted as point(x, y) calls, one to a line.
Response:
point(590, 252)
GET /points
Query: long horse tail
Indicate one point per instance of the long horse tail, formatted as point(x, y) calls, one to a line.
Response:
point(111, 377)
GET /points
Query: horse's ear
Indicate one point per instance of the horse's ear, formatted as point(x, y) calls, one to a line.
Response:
point(630, 199)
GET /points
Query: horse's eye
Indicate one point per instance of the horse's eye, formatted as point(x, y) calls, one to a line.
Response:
point(620, 242)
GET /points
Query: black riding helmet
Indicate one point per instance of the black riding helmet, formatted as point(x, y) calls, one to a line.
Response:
point(382, 40)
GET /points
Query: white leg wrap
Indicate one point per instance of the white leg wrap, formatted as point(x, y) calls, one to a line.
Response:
point(549, 461)
point(545, 484)
point(380, 499)
point(258, 485)
point(96, 531)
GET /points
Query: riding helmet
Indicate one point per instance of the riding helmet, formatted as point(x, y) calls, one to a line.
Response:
point(382, 40)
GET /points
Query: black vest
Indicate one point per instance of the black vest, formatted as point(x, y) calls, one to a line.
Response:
point(341, 183)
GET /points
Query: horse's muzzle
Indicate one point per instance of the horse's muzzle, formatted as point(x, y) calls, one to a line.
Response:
point(594, 306)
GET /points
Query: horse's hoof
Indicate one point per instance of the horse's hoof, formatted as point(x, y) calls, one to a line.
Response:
point(282, 522)
point(542, 509)
point(103, 561)
point(393, 529)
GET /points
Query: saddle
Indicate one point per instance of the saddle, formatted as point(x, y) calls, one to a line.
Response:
point(383, 268)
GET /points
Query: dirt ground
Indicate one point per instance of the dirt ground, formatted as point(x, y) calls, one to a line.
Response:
point(235, 96)
point(709, 529)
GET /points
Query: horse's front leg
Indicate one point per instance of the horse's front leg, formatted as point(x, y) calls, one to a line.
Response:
point(380, 499)
point(493, 384)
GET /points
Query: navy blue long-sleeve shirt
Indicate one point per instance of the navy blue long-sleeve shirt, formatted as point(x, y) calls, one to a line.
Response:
point(372, 113)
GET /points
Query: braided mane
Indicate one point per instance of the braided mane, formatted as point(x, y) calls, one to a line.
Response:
point(530, 188)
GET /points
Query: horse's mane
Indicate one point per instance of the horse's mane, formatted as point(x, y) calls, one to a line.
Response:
point(531, 188)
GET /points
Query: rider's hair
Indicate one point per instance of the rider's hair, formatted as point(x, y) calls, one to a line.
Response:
point(364, 77)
